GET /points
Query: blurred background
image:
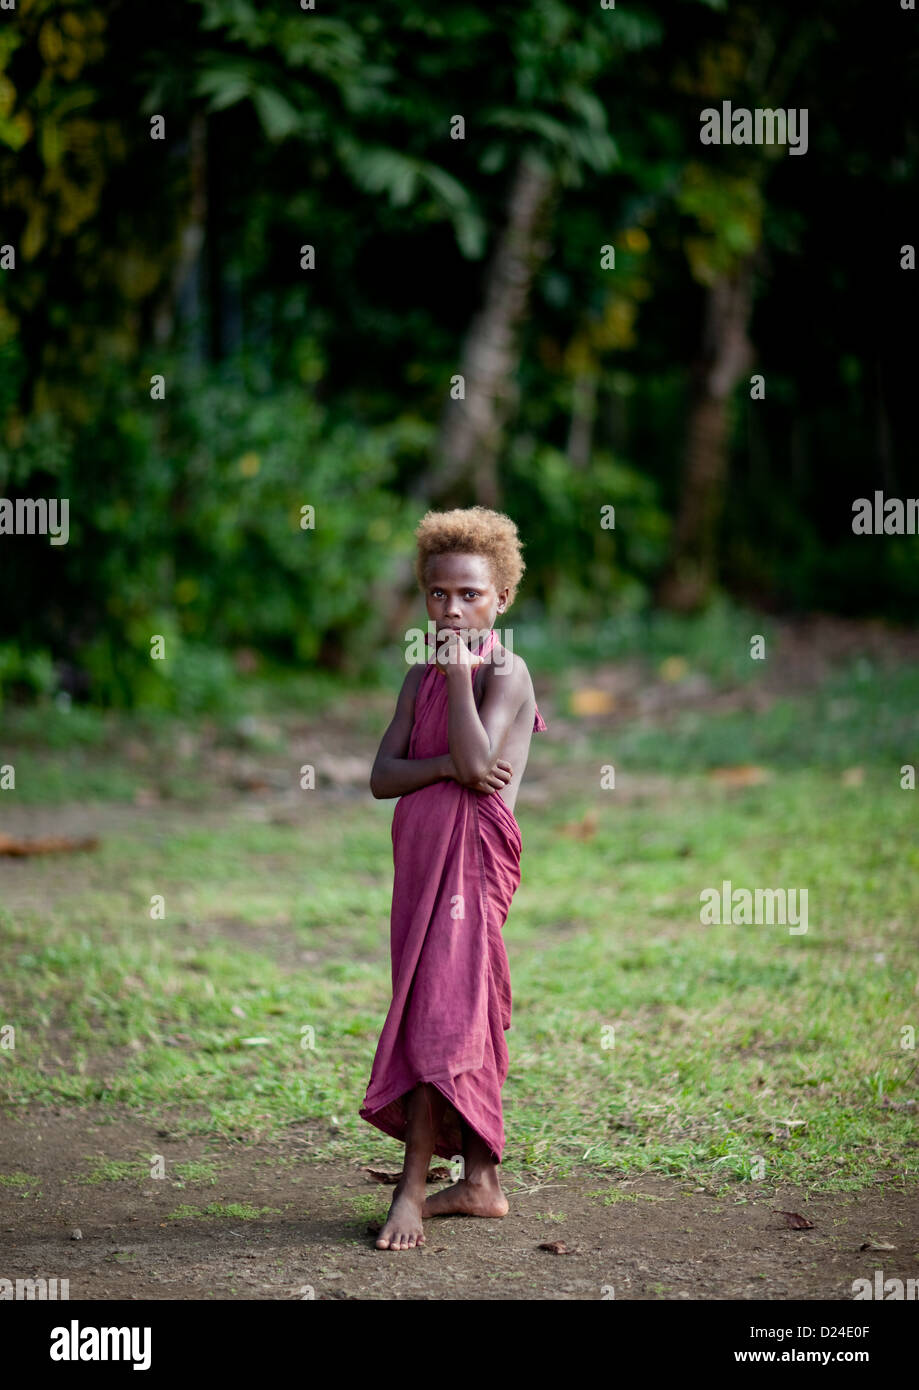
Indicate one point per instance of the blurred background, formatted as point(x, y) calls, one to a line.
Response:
point(329, 386)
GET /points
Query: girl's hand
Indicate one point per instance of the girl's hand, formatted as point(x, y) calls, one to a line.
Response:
point(452, 652)
point(493, 781)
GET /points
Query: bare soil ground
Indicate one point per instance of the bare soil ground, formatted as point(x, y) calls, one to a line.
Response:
point(656, 1238)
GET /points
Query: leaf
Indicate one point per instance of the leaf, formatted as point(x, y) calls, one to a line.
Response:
point(438, 1174)
point(556, 1247)
point(584, 829)
point(49, 844)
point(744, 775)
point(673, 668)
point(225, 86)
point(279, 119)
point(587, 702)
point(876, 1245)
point(794, 1220)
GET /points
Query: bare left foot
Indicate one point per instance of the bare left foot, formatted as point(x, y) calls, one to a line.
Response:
point(467, 1199)
point(403, 1230)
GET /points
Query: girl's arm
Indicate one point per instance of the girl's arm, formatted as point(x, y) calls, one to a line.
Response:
point(393, 773)
point(476, 736)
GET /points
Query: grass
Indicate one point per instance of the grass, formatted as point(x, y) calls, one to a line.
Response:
point(736, 1050)
point(237, 1211)
point(139, 1170)
point(368, 1206)
point(73, 752)
point(862, 716)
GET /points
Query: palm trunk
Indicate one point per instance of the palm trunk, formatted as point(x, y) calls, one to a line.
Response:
point(583, 415)
point(472, 430)
point(689, 579)
point(192, 236)
point(466, 458)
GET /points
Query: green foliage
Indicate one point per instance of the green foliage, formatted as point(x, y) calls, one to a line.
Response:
point(729, 212)
point(287, 388)
point(25, 673)
point(558, 508)
point(186, 525)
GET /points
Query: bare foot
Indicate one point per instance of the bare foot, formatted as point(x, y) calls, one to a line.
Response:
point(403, 1229)
point(467, 1199)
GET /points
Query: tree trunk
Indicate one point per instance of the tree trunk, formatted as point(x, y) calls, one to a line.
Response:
point(466, 457)
point(726, 356)
point(471, 430)
point(583, 414)
point(192, 236)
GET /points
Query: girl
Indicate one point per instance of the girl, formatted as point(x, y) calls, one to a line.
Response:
point(454, 754)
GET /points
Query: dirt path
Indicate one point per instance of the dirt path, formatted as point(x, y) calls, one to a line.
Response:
point(657, 1238)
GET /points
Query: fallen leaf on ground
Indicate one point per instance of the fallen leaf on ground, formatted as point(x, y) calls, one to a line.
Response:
point(876, 1245)
point(556, 1247)
point(588, 702)
point(673, 668)
point(49, 844)
point(744, 775)
point(438, 1174)
point(582, 829)
point(794, 1220)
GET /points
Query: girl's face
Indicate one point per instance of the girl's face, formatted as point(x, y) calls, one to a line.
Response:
point(460, 594)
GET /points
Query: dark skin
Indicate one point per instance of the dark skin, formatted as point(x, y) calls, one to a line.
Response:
point(491, 713)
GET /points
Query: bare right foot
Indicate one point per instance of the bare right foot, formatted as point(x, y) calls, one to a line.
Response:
point(467, 1199)
point(403, 1229)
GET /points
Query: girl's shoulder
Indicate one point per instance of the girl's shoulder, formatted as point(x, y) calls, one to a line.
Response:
point(509, 666)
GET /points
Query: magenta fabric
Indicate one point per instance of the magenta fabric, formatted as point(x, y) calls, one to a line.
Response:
point(456, 855)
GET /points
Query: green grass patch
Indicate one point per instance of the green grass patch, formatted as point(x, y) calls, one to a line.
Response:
point(237, 1211)
point(738, 1057)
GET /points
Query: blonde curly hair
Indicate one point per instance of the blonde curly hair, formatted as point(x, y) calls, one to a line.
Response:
point(473, 531)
